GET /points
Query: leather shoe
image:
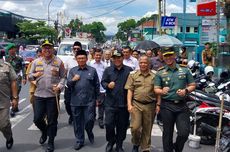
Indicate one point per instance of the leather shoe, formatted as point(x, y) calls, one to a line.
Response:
point(50, 147)
point(91, 137)
point(135, 148)
point(43, 138)
point(109, 147)
point(9, 143)
point(78, 146)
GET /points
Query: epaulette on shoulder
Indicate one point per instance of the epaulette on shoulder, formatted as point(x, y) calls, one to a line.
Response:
point(133, 72)
point(154, 72)
point(183, 65)
point(161, 68)
point(7, 63)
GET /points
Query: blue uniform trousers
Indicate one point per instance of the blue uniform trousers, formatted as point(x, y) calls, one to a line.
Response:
point(83, 119)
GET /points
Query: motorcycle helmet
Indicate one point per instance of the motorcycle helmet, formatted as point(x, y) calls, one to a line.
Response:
point(208, 69)
point(191, 64)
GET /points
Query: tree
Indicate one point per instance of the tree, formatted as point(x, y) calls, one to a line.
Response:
point(37, 31)
point(97, 29)
point(75, 26)
point(124, 29)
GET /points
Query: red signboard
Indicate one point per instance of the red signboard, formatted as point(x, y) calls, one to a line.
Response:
point(206, 8)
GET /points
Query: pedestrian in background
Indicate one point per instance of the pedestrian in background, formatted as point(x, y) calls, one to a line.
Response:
point(33, 83)
point(149, 53)
point(19, 66)
point(208, 57)
point(116, 112)
point(49, 74)
point(99, 65)
point(69, 64)
point(85, 88)
point(141, 104)
point(107, 58)
point(128, 59)
point(172, 83)
point(156, 63)
point(136, 54)
point(8, 92)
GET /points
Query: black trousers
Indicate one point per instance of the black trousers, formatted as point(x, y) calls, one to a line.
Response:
point(101, 108)
point(67, 97)
point(169, 118)
point(116, 123)
point(46, 107)
point(83, 119)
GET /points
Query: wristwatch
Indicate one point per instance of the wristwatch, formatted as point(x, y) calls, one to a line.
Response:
point(14, 97)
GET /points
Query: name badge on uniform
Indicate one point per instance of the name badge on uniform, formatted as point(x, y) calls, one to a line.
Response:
point(39, 69)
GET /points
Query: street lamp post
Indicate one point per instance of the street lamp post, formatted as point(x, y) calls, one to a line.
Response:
point(49, 12)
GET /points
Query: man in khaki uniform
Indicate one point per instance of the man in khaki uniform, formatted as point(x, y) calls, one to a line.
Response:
point(141, 104)
point(8, 91)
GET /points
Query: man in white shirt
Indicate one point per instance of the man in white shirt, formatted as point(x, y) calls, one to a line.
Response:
point(69, 64)
point(107, 58)
point(128, 59)
point(98, 64)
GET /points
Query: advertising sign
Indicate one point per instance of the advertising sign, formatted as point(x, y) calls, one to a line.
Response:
point(206, 7)
point(168, 21)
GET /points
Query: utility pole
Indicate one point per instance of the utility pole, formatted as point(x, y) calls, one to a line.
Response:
point(184, 22)
point(49, 12)
point(159, 16)
point(218, 26)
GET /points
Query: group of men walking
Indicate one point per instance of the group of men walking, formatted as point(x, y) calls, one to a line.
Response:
point(121, 87)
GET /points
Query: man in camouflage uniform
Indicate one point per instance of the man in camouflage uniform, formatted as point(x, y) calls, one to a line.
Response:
point(18, 64)
point(8, 91)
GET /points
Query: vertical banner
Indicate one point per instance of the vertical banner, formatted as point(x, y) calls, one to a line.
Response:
point(206, 8)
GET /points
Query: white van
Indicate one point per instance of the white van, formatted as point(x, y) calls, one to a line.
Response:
point(66, 46)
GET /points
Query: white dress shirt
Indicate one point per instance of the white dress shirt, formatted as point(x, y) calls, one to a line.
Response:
point(131, 62)
point(100, 68)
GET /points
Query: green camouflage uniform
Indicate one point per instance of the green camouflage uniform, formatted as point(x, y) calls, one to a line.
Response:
point(19, 67)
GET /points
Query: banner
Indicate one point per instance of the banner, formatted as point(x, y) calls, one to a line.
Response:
point(206, 8)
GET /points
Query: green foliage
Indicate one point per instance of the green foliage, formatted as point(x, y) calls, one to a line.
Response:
point(96, 28)
point(35, 31)
point(124, 29)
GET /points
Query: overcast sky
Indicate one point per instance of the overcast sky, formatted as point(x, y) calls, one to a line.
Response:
point(109, 12)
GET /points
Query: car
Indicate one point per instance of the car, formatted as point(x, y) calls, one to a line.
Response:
point(65, 47)
point(28, 56)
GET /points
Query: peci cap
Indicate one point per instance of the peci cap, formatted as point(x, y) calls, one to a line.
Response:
point(81, 52)
point(10, 46)
point(77, 43)
point(117, 53)
point(46, 43)
point(168, 51)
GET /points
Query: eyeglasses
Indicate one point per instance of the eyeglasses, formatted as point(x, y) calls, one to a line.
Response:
point(76, 48)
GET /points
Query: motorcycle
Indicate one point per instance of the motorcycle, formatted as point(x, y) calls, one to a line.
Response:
point(205, 109)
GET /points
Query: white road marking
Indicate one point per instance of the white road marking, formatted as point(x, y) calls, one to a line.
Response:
point(22, 114)
point(156, 131)
point(33, 127)
point(22, 100)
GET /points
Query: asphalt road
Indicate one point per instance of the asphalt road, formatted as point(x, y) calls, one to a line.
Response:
point(26, 135)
